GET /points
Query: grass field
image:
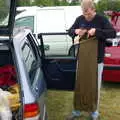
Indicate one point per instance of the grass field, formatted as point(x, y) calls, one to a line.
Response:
point(59, 103)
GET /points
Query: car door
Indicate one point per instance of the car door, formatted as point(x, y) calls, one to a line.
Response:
point(34, 87)
point(59, 70)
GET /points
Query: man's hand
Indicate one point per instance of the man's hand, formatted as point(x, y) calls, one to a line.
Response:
point(91, 32)
point(80, 32)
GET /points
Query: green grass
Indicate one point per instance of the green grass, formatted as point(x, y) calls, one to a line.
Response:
point(60, 103)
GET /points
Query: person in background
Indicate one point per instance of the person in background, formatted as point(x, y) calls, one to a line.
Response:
point(100, 27)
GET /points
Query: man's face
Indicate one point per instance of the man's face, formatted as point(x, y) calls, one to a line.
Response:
point(89, 13)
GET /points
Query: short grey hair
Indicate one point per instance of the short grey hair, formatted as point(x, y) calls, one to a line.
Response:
point(85, 4)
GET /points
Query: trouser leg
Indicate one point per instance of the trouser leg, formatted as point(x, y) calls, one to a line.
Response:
point(100, 70)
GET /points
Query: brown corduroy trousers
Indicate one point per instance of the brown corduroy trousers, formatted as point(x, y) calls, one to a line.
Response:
point(86, 86)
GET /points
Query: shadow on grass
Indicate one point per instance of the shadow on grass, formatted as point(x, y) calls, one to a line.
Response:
point(115, 85)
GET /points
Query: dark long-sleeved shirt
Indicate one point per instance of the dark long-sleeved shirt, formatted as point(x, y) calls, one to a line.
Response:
point(103, 27)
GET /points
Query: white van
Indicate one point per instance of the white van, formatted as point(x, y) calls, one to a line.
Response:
point(50, 20)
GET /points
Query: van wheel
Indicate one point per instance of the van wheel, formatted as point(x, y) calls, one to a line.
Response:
point(73, 50)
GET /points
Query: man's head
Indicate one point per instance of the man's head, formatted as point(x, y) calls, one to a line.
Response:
point(88, 8)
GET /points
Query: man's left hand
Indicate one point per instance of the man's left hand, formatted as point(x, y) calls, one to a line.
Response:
point(91, 32)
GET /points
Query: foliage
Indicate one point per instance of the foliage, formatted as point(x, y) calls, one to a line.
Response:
point(47, 3)
point(50, 3)
point(74, 2)
point(105, 5)
point(3, 10)
point(63, 3)
point(23, 3)
point(43, 3)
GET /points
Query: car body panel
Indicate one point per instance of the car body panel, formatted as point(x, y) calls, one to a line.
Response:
point(111, 73)
point(111, 70)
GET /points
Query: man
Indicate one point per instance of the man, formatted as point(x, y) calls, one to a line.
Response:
point(92, 24)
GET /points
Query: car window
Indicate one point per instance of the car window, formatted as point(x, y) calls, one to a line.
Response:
point(57, 45)
point(30, 60)
point(25, 22)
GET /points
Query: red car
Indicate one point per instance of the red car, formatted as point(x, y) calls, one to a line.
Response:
point(111, 70)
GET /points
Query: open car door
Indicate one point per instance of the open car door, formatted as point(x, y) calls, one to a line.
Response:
point(59, 69)
point(7, 16)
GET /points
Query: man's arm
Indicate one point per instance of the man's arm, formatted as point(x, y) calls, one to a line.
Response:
point(107, 32)
point(75, 25)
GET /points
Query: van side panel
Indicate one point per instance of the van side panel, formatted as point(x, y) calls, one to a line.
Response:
point(51, 20)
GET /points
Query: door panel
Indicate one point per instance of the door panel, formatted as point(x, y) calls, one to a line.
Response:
point(60, 73)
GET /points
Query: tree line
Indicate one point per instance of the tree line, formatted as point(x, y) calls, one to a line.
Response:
point(3, 9)
point(47, 2)
point(108, 5)
point(102, 5)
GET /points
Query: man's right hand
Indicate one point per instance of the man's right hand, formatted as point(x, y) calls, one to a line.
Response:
point(80, 32)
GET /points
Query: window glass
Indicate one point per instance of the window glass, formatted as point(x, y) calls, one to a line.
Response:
point(4, 12)
point(25, 22)
point(30, 60)
point(58, 45)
